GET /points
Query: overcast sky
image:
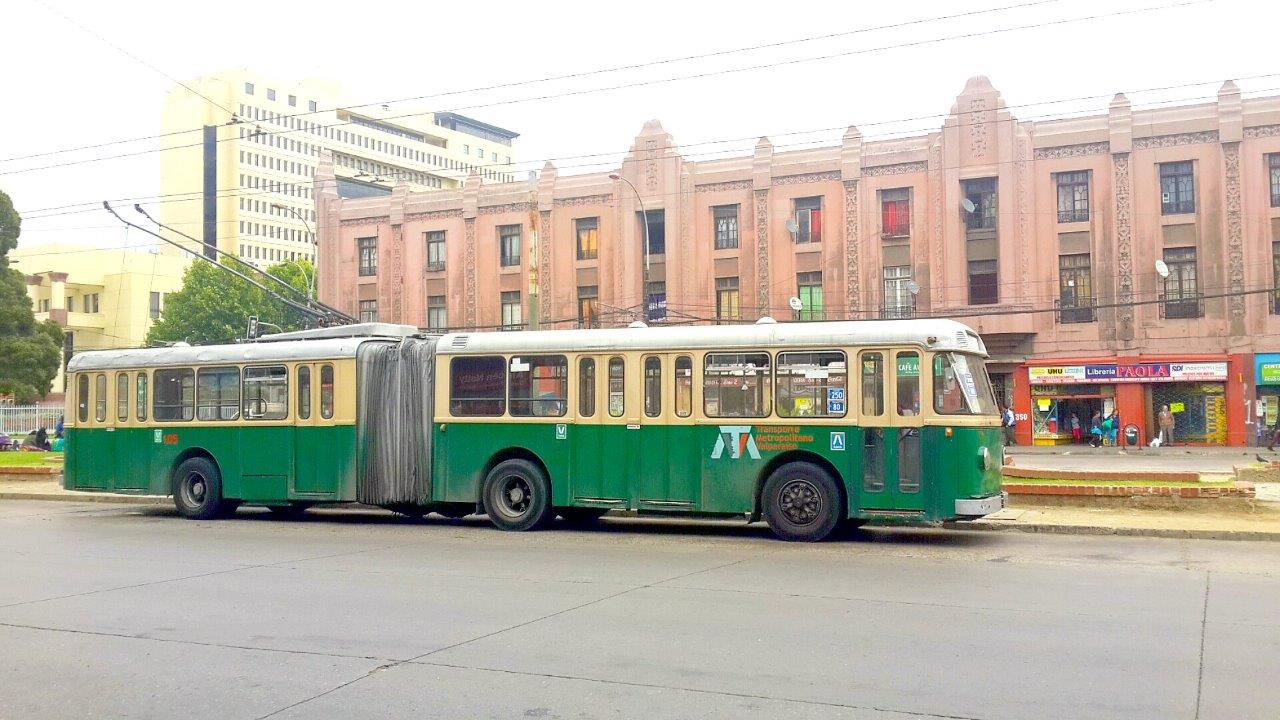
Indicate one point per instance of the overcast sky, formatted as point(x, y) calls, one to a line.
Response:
point(65, 87)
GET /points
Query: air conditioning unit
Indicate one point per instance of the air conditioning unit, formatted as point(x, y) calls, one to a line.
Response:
point(1164, 197)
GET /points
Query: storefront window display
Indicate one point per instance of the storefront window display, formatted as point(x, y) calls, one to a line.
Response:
point(1052, 407)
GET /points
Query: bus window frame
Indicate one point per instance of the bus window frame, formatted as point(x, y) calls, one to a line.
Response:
point(676, 386)
point(901, 418)
point(863, 415)
point(608, 386)
point(777, 382)
point(187, 410)
point(586, 387)
point(122, 396)
point(141, 384)
point(328, 398)
point(82, 397)
point(244, 393)
point(219, 405)
point(303, 392)
point(655, 411)
point(454, 409)
point(530, 404)
point(767, 385)
point(100, 398)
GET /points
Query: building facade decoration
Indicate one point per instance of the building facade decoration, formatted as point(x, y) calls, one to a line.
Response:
point(726, 250)
point(761, 209)
point(852, 250)
point(896, 168)
point(1235, 235)
point(1069, 151)
point(1164, 141)
point(806, 178)
point(603, 199)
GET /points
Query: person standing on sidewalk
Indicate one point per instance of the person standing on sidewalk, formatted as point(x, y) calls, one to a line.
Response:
point(1006, 421)
point(1166, 426)
point(1275, 435)
point(1075, 428)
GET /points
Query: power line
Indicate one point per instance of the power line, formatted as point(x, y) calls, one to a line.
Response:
point(133, 57)
point(93, 206)
point(679, 78)
point(571, 76)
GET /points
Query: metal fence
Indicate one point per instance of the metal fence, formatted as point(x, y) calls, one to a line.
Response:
point(22, 419)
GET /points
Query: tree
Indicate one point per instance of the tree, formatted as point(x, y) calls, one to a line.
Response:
point(30, 352)
point(214, 306)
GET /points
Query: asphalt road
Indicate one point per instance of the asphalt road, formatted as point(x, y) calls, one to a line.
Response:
point(115, 611)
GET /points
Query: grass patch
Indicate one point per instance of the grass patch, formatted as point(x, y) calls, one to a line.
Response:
point(29, 459)
point(1119, 483)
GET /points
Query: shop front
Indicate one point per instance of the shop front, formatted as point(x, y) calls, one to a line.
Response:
point(1208, 409)
point(1267, 381)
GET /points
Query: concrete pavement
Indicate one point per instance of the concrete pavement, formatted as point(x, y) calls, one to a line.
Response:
point(111, 611)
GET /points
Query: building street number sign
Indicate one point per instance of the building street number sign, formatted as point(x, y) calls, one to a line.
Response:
point(1139, 373)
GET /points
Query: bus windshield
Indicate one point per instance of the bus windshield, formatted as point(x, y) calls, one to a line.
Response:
point(961, 385)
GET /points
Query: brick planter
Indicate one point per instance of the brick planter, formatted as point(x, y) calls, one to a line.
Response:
point(1012, 473)
point(1242, 491)
point(34, 472)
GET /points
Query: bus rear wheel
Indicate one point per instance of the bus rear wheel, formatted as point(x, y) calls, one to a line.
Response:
point(802, 502)
point(517, 496)
point(197, 489)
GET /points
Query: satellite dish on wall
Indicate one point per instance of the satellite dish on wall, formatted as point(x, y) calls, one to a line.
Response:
point(795, 304)
point(792, 227)
point(968, 205)
point(913, 287)
point(1162, 269)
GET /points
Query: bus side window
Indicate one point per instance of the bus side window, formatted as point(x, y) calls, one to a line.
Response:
point(684, 386)
point(140, 407)
point(122, 396)
point(652, 386)
point(266, 393)
point(82, 398)
point(326, 391)
point(617, 385)
point(304, 392)
point(174, 398)
point(872, 384)
point(587, 387)
point(907, 376)
point(100, 397)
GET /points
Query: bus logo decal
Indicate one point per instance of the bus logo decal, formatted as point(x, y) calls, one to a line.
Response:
point(738, 439)
point(837, 441)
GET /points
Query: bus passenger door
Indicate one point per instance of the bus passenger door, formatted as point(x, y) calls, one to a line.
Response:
point(597, 437)
point(661, 481)
point(266, 434)
point(890, 421)
point(131, 443)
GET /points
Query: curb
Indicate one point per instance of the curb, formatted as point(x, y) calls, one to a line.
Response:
point(88, 497)
point(1172, 533)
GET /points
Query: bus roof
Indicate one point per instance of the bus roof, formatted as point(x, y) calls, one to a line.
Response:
point(328, 349)
point(945, 334)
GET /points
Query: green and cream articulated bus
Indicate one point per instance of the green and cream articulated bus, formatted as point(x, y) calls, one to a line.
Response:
point(806, 425)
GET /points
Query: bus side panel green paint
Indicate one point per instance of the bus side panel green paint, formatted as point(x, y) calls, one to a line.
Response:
point(325, 463)
point(92, 467)
point(133, 461)
point(598, 464)
point(464, 449)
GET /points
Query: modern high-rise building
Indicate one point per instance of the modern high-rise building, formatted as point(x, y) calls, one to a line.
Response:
point(241, 150)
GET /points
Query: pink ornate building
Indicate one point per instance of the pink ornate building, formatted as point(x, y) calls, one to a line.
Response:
point(1043, 235)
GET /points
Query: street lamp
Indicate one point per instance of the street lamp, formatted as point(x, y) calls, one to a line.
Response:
point(645, 215)
point(311, 281)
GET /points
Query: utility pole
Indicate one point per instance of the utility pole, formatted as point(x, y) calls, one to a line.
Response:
point(534, 281)
point(209, 148)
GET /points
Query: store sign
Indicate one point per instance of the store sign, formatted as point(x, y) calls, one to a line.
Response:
point(908, 366)
point(1269, 373)
point(1141, 372)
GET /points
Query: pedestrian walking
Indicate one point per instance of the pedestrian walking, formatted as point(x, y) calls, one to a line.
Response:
point(1075, 428)
point(1095, 430)
point(1006, 422)
point(1167, 422)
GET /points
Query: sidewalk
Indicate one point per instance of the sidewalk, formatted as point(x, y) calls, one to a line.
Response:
point(1262, 524)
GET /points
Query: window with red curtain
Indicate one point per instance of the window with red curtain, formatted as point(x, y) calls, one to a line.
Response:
point(895, 218)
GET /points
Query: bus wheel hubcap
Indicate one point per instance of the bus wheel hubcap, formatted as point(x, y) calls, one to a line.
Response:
point(800, 502)
point(195, 489)
point(516, 496)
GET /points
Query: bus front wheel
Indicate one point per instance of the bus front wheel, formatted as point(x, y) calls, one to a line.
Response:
point(517, 496)
point(197, 489)
point(802, 502)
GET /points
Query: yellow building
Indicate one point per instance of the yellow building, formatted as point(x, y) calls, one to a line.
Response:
point(238, 163)
point(104, 298)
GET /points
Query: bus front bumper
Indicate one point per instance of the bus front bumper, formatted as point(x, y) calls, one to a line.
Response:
point(979, 507)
